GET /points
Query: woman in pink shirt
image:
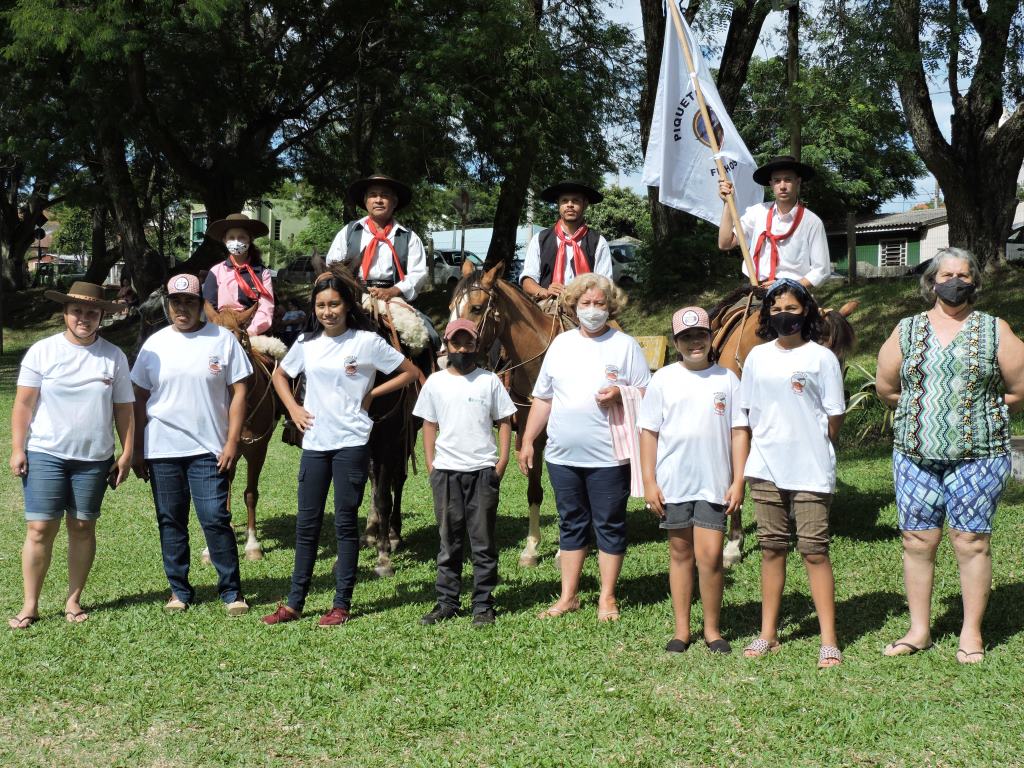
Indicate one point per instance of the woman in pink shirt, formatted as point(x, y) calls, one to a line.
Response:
point(241, 280)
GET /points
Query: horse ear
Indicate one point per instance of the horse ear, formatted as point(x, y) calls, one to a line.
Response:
point(317, 262)
point(849, 308)
point(245, 316)
point(467, 267)
point(492, 274)
point(211, 312)
point(499, 269)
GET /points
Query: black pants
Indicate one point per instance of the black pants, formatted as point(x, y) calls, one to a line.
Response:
point(348, 468)
point(466, 506)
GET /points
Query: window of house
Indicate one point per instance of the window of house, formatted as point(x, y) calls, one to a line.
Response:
point(276, 232)
point(892, 253)
point(198, 227)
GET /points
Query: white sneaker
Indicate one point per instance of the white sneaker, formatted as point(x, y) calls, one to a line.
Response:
point(238, 608)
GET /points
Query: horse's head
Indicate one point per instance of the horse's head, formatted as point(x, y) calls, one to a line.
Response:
point(473, 299)
point(235, 320)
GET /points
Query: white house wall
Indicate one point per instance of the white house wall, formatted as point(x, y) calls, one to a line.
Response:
point(935, 239)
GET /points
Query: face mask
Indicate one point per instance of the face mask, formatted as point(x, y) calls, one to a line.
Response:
point(236, 247)
point(954, 292)
point(786, 323)
point(463, 362)
point(592, 319)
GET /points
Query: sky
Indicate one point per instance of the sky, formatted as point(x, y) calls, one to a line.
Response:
point(628, 12)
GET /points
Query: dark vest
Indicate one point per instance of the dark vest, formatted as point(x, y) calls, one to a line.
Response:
point(354, 253)
point(548, 243)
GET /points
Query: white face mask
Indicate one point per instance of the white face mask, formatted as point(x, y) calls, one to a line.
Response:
point(236, 247)
point(592, 318)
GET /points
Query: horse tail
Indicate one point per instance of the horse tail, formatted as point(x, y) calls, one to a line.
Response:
point(839, 333)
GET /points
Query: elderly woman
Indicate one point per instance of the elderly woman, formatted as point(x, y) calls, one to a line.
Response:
point(579, 384)
point(954, 374)
point(241, 280)
point(71, 387)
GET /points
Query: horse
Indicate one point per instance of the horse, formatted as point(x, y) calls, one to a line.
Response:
point(261, 413)
point(734, 333)
point(505, 314)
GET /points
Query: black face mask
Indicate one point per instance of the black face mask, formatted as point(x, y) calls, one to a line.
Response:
point(954, 292)
point(786, 323)
point(463, 362)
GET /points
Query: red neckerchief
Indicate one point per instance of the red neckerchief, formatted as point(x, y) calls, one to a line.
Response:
point(240, 269)
point(370, 252)
point(579, 261)
point(774, 240)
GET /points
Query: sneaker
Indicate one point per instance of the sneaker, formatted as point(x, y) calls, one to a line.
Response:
point(440, 613)
point(483, 617)
point(174, 605)
point(237, 608)
point(334, 617)
point(282, 614)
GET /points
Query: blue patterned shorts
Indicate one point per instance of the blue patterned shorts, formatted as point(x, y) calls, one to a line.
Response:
point(964, 492)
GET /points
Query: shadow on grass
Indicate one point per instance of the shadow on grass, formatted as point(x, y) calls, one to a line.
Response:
point(854, 514)
point(1003, 619)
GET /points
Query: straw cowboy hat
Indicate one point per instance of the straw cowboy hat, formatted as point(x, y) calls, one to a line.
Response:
point(356, 191)
point(552, 193)
point(763, 175)
point(254, 227)
point(87, 294)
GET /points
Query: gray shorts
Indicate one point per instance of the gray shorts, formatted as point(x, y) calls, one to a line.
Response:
point(687, 514)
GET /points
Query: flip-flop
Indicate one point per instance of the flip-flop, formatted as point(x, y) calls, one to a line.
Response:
point(829, 653)
point(551, 612)
point(911, 649)
point(967, 655)
point(612, 614)
point(761, 647)
point(76, 617)
point(22, 622)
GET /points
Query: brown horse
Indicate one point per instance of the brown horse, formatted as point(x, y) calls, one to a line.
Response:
point(504, 313)
point(734, 322)
point(261, 412)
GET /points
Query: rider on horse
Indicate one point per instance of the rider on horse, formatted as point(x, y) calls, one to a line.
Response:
point(558, 254)
point(241, 280)
point(786, 238)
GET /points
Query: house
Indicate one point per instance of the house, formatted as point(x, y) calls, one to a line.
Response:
point(889, 244)
point(276, 213)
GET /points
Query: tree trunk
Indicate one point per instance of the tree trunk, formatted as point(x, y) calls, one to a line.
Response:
point(102, 258)
point(514, 186)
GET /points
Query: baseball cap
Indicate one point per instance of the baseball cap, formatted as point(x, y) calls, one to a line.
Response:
point(184, 284)
point(689, 317)
point(460, 325)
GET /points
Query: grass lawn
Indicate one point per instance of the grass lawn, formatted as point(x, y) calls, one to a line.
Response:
point(135, 687)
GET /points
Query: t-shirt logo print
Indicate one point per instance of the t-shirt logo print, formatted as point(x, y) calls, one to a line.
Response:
point(215, 364)
point(351, 369)
point(797, 382)
point(611, 373)
point(719, 400)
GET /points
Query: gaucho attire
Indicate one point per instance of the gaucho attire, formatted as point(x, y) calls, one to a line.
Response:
point(789, 245)
point(381, 256)
point(239, 286)
point(553, 256)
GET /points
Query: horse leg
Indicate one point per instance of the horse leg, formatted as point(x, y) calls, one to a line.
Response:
point(382, 504)
point(371, 534)
point(733, 553)
point(254, 466)
point(395, 528)
point(530, 556)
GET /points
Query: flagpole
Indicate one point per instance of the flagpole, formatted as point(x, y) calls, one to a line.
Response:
point(730, 199)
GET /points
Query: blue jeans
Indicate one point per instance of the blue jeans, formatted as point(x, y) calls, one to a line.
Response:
point(349, 469)
point(55, 486)
point(176, 482)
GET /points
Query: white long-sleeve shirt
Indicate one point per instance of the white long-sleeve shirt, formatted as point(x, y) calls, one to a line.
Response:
point(803, 255)
point(383, 266)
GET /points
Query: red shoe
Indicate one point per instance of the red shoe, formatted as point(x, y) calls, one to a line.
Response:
point(281, 615)
point(334, 617)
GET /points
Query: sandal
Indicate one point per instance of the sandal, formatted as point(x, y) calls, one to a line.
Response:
point(76, 617)
point(829, 656)
point(968, 654)
point(22, 622)
point(890, 649)
point(175, 605)
point(553, 612)
point(612, 614)
point(761, 647)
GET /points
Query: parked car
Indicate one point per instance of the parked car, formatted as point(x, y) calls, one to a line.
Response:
point(624, 267)
point(299, 271)
point(59, 275)
point(448, 265)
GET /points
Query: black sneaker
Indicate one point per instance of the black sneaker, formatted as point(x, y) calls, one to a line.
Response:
point(439, 613)
point(483, 617)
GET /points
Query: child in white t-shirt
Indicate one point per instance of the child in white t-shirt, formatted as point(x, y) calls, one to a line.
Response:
point(792, 391)
point(693, 446)
point(458, 407)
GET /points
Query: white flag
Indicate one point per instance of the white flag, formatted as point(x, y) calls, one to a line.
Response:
point(679, 158)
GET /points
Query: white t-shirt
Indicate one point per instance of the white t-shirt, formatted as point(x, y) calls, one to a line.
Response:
point(78, 387)
point(788, 396)
point(804, 254)
point(465, 409)
point(694, 413)
point(574, 369)
point(188, 377)
point(339, 370)
point(383, 266)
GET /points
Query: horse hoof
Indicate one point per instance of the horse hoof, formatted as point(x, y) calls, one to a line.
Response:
point(395, 543)
point(368, 541)
point(558, 559)
point(384, 571)
point(254, 553)
point(528, 561)
point(733, 553)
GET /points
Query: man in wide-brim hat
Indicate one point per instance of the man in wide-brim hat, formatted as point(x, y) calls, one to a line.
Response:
point(786, 238)
point(568, 248)
point(388, 257)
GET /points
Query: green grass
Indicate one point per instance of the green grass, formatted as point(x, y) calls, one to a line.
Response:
point(135, 687)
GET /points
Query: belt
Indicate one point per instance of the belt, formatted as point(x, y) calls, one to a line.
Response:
point(380, 283)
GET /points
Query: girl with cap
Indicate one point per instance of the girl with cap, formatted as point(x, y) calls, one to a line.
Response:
point(241, 279)
point(190, 384)
point(71, 387)
point(341, 355)
point(693, 446)
point(792, 392)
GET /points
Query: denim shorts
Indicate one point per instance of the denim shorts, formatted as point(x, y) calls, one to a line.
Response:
point(55, 487)
point(591, 498)
point(691, 514)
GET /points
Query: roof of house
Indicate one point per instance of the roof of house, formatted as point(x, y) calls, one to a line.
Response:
point(899, 222)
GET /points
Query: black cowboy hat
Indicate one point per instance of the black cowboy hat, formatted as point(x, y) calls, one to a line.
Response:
point(254, 227)
point(763, 175)
point(356, 192)
point(552, 193)
point(87, 294)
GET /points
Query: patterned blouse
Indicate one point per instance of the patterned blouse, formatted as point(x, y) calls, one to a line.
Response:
point(951, 405)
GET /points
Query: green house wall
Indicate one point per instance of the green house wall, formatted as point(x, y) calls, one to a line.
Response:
point(867, 249)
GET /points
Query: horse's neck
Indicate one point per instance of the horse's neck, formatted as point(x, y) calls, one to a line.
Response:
point(528, 330)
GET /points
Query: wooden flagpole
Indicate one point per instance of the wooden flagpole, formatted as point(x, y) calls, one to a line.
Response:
point(730, 200)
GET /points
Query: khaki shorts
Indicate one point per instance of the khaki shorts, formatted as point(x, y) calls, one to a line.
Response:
point(777, 510)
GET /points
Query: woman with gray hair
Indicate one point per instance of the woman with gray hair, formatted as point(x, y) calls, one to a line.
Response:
point(954, 375)
point(587, 375)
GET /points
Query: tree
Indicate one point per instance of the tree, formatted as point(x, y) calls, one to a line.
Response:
point(977, 166)
point(622, 213)
point(74, 235)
